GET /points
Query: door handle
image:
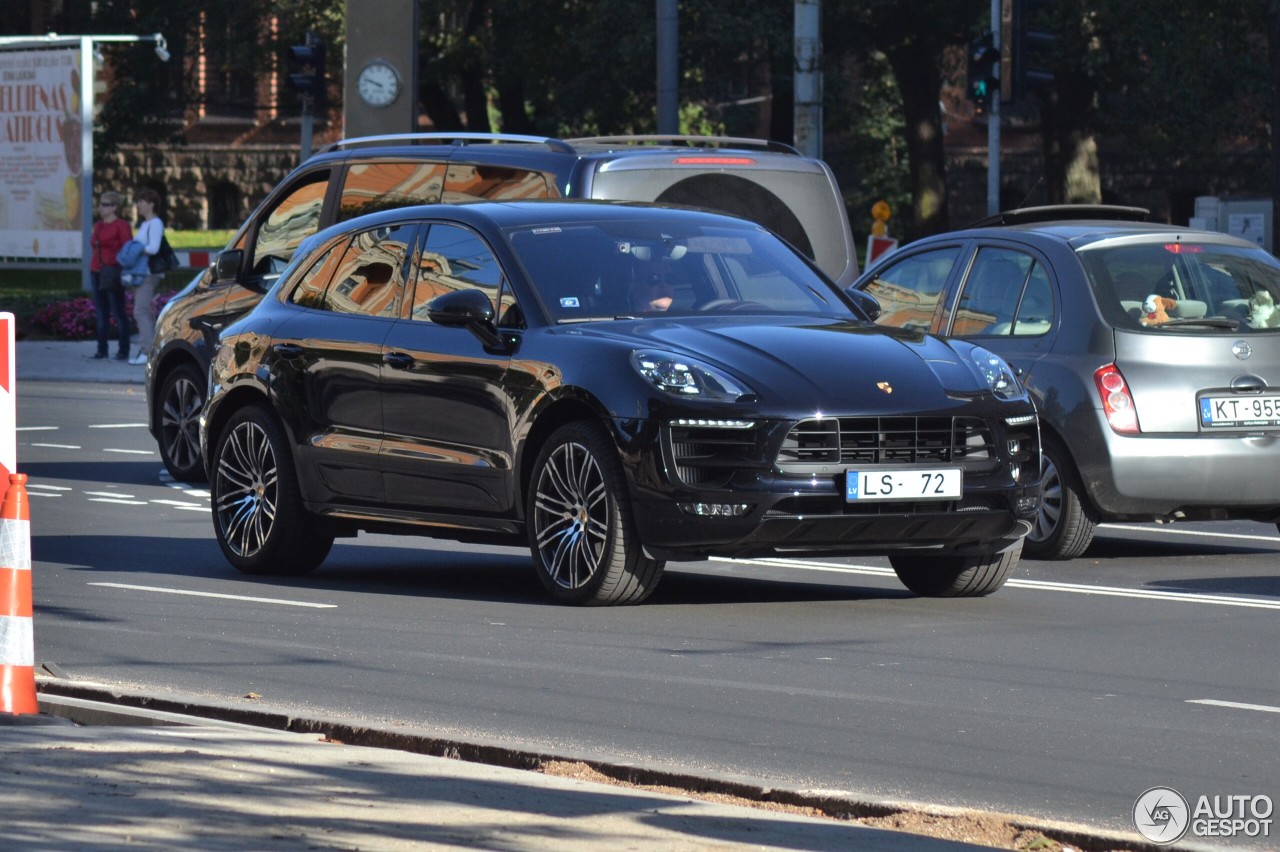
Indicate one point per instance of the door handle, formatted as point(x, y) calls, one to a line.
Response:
point(288, 350)
point(398, 360)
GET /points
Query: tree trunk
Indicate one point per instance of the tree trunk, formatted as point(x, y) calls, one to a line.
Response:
point(919, 82)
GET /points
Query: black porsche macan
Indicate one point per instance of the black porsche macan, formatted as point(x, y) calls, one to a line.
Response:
point(614, 386)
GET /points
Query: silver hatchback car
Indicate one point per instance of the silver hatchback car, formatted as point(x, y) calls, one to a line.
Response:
point(1152, 352)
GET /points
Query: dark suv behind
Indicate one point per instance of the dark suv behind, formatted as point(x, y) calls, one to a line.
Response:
point(767, 182)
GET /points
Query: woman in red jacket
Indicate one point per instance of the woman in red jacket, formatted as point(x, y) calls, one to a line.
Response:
point(110, 233)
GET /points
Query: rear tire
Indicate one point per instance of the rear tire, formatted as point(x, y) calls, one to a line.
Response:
point(178, 418)
point(581, 534)
point(956, 576)
point(258, 515)
point(1065, 523)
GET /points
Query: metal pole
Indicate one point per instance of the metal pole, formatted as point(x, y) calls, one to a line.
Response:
point(307, 128)
point(993, 125)
point(808, 79)
point(88, 74)
point(668, 68)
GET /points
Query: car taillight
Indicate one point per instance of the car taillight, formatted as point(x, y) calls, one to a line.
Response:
point(714, 161)
point(1117, 402)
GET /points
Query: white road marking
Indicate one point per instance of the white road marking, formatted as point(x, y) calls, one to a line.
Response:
point(58, 446)
point(36, 429)
point(1235, 705)
point(107, 494)
point(179, 504)
point(214, 595)
point(38, 487)
point(116, 425)
point(118, 502)
point(1170, 531)
point(1040, 585)
point(134, 452)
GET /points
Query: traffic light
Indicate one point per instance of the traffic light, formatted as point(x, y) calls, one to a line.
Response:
point(984, 72)
point(306, 68)
point(1033, 46)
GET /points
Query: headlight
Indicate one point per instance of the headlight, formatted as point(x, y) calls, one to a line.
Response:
point(687, 377)
point(996, 373)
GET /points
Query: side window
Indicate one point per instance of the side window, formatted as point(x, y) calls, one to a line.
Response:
point(468, 183)
point(370, 275)
point(309, 292)
point(369, 187)
point(454, 258)
point(1035, 312)
point(908, 291)
point(295, 217)
point(991, 293)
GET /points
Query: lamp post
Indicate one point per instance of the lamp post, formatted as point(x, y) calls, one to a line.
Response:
point(87, 45)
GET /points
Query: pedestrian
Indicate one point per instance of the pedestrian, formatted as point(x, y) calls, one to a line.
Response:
point(109, 235)
point(150, 234)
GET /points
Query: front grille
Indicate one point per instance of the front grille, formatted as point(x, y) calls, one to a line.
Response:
point(813, 445)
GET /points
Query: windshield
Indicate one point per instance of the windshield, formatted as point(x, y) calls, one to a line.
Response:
point(648, 266)
point(1169, 285)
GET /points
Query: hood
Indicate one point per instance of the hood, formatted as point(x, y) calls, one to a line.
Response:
point(814, 362)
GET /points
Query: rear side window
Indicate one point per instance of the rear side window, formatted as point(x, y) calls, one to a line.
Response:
point(1006, 293)
point(1175, 284)
point(472, 183)
point(365, 276)
point(369, 187)
point(908, 291)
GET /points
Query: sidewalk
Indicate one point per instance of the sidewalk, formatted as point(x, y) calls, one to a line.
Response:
point(89, 774)
point(69, 361)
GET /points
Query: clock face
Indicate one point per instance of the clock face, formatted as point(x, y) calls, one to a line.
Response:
point(379, 84)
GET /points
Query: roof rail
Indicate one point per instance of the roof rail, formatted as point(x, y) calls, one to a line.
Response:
point(1060, 212)
point(455, 138)
point(688, 141)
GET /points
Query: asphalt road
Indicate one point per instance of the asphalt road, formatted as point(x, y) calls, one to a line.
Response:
point(1151, 661)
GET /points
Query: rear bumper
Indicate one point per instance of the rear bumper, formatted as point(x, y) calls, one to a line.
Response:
point(1209, 475)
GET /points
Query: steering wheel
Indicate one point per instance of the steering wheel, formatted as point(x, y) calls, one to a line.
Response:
point(732, 305)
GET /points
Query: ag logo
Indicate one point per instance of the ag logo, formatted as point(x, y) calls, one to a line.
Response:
point(1161, 815)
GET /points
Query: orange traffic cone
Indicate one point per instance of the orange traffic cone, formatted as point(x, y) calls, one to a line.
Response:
point(17, 645)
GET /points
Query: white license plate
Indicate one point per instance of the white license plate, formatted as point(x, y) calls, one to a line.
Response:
point(907, 483)
point(1226, 411)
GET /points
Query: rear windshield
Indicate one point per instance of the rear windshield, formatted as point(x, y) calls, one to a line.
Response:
point(1171, 285)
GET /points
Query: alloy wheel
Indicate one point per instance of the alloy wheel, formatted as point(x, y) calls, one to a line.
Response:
point(180, 424)
point(571, 520)
point(246, 489)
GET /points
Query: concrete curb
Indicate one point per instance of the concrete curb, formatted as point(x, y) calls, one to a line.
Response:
point(76, 700)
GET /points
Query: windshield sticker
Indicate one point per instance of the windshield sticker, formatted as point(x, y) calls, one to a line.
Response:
point(546, 230)
point(569, 302)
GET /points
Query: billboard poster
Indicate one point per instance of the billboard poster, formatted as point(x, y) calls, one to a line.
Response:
point(40, 154)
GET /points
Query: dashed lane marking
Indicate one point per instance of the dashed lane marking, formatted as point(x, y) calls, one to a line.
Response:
point(1234, 705)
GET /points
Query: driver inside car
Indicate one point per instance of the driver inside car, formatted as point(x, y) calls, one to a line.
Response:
point(653, 287)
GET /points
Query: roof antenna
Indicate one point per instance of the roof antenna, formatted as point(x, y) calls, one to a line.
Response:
point(1034, 187)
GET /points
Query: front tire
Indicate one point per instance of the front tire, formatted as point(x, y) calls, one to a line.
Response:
point(181, 398)
point(1064, 524)
point(258, 516)
point(956, 576)
point(581, 533)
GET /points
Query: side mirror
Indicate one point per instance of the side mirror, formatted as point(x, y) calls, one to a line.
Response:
point(865, 301)
point(469, 309)
point(227, 267)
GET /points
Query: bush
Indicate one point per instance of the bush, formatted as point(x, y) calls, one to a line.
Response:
point(73, 319)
